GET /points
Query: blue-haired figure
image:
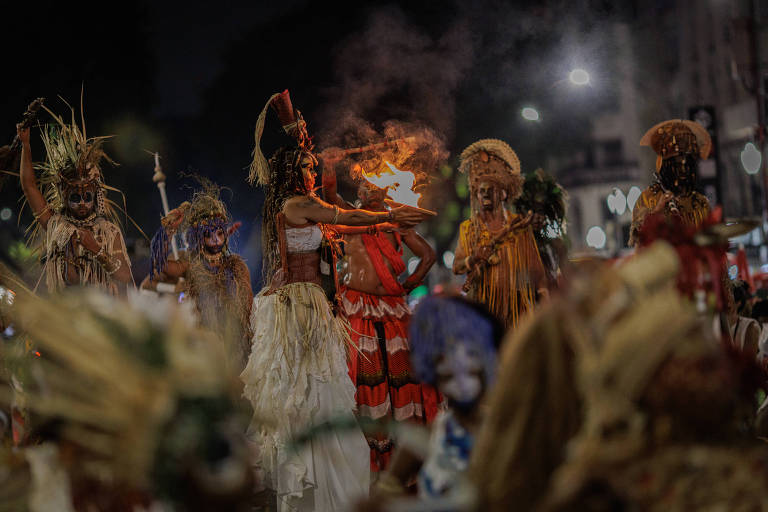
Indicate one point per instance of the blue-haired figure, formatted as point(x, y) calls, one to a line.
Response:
point(217, 280)
point(453, 347)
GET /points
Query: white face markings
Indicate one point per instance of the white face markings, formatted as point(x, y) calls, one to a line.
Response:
point(459, 374)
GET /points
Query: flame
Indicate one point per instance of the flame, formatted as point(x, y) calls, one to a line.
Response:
point(399, 184)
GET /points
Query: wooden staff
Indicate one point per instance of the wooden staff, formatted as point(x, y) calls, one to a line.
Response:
point(395, 204)
point(159, 178)
point(371, 147)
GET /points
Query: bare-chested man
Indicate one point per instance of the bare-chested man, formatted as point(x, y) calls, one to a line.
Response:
point(373, 300)
point(81, 240)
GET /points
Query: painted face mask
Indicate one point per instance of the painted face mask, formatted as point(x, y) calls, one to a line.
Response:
point(489, 195)
point(80, 200)
point(459, 376)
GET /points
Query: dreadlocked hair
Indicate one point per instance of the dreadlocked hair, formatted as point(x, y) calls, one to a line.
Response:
point(285, 181)
point(203, 215)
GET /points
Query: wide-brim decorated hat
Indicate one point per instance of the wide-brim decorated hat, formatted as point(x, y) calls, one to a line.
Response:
point(677, 137)
point(490, 159)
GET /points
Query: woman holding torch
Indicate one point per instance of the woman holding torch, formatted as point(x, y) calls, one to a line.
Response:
point(296, 376)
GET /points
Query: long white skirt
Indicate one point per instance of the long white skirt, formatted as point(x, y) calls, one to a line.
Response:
point(296, 378)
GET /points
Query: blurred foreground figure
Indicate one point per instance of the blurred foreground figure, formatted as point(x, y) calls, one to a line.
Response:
point(453, 344)
point(297, 375)
point(497, 249)
point(679, 145)
point(374, 303)
point(217, 280)
point(81, 241)
point(133, 408)
point(625, 373)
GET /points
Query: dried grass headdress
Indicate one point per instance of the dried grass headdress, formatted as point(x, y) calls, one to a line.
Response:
point(204, 213)
point(493, 160)
point(72, 156)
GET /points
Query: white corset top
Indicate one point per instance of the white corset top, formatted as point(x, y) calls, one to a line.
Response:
point(303, 239)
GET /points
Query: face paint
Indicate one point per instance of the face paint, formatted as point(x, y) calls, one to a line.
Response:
point(459, 377)
point(213, 241)
point(489, 195)
point(80, 199)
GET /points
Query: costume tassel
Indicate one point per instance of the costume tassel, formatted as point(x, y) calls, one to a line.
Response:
point(259, 169)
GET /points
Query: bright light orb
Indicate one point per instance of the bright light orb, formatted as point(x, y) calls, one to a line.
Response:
point(578, 77)
point(530, 114)
point(596, 237)
point(751, 158)
point(5, 214)
point(448, 258)
point(632, 196)
point(617, 202)
point(620, 201)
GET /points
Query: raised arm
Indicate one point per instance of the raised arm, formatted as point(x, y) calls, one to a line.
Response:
point(310, 209)
point(35, 198)
point(330, 185)
point(422, 250)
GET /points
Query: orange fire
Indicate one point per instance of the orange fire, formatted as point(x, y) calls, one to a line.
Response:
point(399, 184)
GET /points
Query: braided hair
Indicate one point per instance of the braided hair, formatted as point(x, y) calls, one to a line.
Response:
point(285, 181)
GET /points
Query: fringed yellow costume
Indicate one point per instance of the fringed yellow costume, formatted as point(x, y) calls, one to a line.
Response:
point(693, 209)
point(505, 287)
point(506, 281)
point(678, 144)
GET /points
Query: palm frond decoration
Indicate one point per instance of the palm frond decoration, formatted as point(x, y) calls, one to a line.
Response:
point(126, 381)
point(543, 195)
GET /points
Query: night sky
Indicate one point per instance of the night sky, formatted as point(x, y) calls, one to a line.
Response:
point(189, 80)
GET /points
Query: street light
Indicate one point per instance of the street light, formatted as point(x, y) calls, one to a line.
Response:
point(751, 158)
point(530, 114)
point(578, 77)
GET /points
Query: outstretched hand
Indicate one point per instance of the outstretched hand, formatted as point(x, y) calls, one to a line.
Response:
point(408, 216)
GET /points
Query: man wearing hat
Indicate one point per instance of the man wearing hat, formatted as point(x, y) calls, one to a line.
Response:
point(497, 249)
point(679, 145)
